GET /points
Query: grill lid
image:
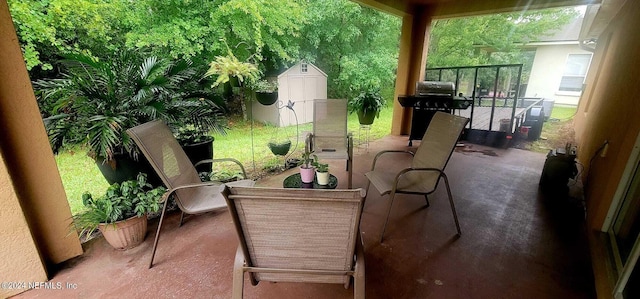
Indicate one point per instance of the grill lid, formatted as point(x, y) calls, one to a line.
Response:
point(435, 88)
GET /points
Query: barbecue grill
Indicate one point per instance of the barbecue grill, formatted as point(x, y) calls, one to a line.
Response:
point(430, 97)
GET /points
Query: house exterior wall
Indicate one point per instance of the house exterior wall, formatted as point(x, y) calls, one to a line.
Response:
point(547, 70)
point(29, 177)
point(609, 111)
point(19, 258)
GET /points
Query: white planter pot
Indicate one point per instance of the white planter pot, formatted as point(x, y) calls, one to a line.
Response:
point(323, 178)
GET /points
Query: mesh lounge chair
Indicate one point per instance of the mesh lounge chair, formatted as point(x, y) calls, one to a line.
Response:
point(297, 235)
point(330, 139)
point(157, 143)
point(427, 166)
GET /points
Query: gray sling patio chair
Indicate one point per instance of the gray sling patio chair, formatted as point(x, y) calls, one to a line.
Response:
point(179, 175)
point(330, 139)
point(427, 165)
point(297, 235)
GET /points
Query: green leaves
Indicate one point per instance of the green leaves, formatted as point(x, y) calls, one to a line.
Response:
point(491, 39)
point(120, 201)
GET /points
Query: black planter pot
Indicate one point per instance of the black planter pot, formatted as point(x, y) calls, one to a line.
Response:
point(123, 168)
point(198, 152)
point(366, 118)
point(267, 98)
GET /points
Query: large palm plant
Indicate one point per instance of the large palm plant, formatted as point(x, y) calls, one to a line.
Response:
point(96, 101)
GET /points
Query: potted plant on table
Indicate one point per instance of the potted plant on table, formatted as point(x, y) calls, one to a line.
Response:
point(307, 172)
point(121, 213)
point(322, 171)
point(367, 105)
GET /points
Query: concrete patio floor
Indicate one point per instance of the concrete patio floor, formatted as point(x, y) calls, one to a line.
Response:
point(515, 243)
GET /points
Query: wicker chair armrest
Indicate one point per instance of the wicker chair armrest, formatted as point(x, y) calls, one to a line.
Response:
point(244, 173)
point(379, 154)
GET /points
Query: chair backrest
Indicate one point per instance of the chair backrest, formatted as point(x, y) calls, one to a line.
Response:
point(438, 143)
point(157, 143)
point(303, 229)
point(330, 124)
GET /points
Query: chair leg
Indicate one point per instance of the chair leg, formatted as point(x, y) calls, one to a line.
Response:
point(358, 276)
point(155, 242)
point(453, 207)
point(238, 274)
point(350, 174)
point(181, 218)
point(426, 198)
point(391, 197)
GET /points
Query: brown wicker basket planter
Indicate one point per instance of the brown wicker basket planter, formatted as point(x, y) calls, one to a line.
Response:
point(125, 234)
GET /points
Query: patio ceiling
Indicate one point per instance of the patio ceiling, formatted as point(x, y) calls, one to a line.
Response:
point(457, 8)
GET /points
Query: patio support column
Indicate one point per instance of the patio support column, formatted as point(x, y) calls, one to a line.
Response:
point(414, 43)
point(29, 177)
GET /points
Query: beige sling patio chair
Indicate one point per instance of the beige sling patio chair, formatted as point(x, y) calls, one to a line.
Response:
point(170, 162)
point(330, 139)
point(297, 235)
point(427, 165)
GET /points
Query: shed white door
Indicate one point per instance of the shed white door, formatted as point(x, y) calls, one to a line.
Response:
point(302, 91)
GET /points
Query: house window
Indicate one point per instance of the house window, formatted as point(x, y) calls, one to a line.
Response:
point(303, 67)
point(574, 72)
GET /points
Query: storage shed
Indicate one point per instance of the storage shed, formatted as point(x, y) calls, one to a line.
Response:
point(301, 83)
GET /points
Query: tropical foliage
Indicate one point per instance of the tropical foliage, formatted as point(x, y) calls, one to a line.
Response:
point(95, 102)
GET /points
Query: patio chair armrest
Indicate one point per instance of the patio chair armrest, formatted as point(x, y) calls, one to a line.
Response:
point(244, 173)
point(411, 169)
point(379, 154)
point(173, 190)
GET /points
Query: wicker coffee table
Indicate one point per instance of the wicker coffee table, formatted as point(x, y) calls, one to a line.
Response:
point(294, 181)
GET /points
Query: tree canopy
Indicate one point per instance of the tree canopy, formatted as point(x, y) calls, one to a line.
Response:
point(491, 39)
point(356, 46)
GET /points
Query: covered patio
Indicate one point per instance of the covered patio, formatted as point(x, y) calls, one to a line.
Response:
point(515, 243)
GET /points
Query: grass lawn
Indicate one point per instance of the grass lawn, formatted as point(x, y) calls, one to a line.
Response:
point(557, 131)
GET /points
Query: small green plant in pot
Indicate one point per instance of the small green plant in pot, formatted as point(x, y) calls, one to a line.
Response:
point(121, 213)
point(307, 172)
point(322, 171)
point(367, 105)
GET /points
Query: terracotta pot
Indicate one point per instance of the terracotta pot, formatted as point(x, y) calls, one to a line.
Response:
point(323, 178)
point(307, 174)
point(125, 234)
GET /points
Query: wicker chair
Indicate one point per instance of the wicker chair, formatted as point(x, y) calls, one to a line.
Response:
point(330, 139)
point(427, 165)
point(297, 235)
point(170, 162)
